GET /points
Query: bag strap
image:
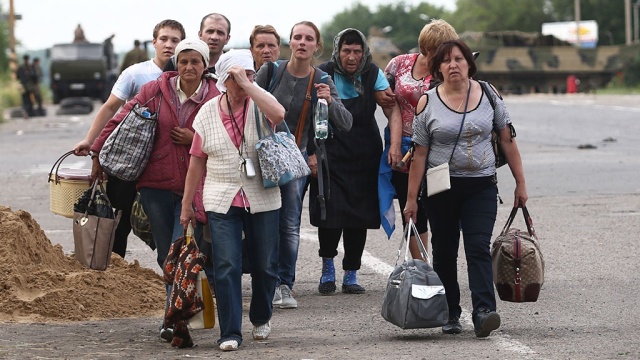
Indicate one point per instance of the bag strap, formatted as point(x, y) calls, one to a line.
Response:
point(305, 108)
point(56, 166)
point(464, 115)
point(258, 116)
point(527, 221)
point(410, 229)
point(94, 186)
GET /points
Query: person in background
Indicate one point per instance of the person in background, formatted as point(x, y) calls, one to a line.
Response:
point(134, 56)
point(353, 157)
point(235, 200)
point(290, 90)
point(265, 45)
point(471, 203)
point(215, 30)
point(25, 76)
point(411, 78)
point(176, 97)
point(166, 36)
point(37, 80)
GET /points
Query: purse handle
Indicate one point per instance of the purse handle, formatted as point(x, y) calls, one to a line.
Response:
point(409, 229)
point(94, 187)
point(527, 221)
point(259, 116)
point(56, 166)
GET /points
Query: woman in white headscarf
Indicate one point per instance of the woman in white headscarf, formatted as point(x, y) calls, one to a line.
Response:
point(234, 198)
point(176, 97)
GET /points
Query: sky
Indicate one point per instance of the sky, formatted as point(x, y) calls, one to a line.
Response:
point(47, 22)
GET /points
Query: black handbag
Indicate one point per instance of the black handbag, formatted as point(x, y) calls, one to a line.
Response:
point(414, 297)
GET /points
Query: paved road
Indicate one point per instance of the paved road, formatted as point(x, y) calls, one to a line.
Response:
point(585, 204)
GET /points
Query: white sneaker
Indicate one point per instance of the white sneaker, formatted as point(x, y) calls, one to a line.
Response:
point(229, 345)
point(277, 297)
point(288, 302)
point(261, 332)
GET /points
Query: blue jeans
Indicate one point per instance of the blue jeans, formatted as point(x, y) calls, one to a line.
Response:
point(261, 233)
point(163, 208)
point(471, 206)
point(292, 195)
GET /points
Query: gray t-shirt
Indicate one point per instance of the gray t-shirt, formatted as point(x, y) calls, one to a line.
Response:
point(437, 126)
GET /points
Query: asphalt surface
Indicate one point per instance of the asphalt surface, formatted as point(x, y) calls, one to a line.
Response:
point(581, 162)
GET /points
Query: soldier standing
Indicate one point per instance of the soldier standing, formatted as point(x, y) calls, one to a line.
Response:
point(26, 77)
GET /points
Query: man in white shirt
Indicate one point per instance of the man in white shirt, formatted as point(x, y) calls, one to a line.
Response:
point(166, 36)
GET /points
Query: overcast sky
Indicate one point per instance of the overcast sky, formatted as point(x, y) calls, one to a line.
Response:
point(47, 22)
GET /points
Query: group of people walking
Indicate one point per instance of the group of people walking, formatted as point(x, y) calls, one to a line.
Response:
point(200, 174)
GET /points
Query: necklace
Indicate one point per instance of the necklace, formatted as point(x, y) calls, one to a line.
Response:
point(449, 102)
point(235, 122)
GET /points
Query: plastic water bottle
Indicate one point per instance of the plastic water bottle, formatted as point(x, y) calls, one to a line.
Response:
point(322, 119)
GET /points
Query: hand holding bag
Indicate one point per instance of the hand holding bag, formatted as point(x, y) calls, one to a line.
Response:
point(127, 150)
point(414, 297)
point(437, 177)
point(518, 265)
point(94, 228)
point(280, 158)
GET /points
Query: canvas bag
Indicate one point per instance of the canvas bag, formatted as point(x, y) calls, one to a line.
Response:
point(414, 297)
point(127, 150)
point(205, 319)
point(279, 157)
point(94, 229)
point(518, 264)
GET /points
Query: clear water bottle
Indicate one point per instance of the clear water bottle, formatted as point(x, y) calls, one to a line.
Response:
point(322, 119)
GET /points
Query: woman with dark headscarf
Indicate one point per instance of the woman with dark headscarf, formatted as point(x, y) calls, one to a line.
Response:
point(353, 158)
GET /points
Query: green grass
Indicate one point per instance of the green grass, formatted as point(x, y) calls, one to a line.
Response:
point(619, 90)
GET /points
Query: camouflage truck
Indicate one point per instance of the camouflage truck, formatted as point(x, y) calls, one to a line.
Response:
point(82, 69)
point(517, 62)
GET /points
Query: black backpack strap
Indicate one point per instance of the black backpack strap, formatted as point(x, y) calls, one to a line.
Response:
point(279, 66)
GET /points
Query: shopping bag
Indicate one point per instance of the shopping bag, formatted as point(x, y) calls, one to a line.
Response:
point(140, 224)
point(279, 157)
point(127, 150)
point(414, 297)
point(94, 228)
point(205, 319)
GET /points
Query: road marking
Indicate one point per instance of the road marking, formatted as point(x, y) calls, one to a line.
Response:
point(501, 339)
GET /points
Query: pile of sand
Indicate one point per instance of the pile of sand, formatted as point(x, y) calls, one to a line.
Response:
point(38, 283)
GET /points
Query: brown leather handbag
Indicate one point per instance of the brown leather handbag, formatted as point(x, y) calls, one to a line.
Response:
point(518, 264)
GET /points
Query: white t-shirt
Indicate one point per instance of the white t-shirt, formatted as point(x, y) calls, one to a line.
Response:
point(132, 78)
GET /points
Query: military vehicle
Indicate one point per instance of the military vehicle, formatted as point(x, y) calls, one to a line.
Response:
point(518, 62)
point(82, 69)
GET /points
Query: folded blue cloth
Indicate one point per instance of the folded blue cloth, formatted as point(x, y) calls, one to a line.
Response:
point(386, 191)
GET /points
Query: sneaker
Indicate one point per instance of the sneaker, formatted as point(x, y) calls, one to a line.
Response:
point(166, 334)
point(261, 332)
point(485, 322)
point(453, 326)
point(287, 302)
point(229, 345)
point(352, 289)
point(277, 297)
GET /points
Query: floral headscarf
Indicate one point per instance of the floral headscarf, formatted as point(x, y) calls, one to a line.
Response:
point(364, 63)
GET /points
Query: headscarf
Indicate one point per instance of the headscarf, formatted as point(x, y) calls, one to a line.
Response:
point(365, 62)
point(194, 44)
point(240, 57)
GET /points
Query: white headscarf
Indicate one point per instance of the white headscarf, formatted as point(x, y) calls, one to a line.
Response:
point(194, 44)
point(240, 57)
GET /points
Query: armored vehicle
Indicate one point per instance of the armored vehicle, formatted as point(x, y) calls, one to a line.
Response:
point(517, 62)
point(81, 69)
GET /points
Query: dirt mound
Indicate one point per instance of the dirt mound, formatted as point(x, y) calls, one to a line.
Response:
point(38, 283)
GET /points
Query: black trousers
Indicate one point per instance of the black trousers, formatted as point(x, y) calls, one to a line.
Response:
point(121, 194)
point(353, 243)
point(400, 182)
point(471, 206)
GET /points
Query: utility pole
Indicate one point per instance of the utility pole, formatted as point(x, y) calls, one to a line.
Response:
point(576, 9)
point(13, 65)
point(627, 21)
point(636, 26)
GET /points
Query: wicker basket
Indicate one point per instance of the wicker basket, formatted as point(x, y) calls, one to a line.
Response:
point(66, 186)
